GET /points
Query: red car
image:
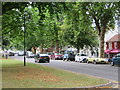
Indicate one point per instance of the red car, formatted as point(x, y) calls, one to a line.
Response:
point(57, 56)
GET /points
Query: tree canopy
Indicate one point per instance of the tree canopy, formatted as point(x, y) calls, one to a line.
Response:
point(57, 24)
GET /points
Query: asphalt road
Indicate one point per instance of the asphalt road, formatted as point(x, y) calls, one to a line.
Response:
point(99, 70)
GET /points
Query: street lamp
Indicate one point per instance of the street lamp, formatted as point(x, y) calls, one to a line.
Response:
point(24, 37)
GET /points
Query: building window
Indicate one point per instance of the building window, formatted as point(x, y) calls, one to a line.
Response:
point(115, 45)
point(110, 45)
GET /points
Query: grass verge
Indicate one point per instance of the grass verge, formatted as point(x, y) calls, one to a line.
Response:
point(15, 75)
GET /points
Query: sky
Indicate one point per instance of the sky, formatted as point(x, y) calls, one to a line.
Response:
point(111, 33)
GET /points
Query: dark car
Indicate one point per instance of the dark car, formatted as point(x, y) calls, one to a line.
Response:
point(11, 53)
point(116, 60)
point(42, 58)
point(71, 57)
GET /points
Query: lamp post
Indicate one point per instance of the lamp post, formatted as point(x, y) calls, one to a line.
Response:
point(24, 38)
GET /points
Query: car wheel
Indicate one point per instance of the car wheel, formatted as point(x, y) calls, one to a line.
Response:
point(87, 62)
point(38, 61)
point(75, 61)
point(112, 63)
point(94, 62)
point(80, 61)
point(48, 61)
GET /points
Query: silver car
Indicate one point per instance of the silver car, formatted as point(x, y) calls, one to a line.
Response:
point(30, 54)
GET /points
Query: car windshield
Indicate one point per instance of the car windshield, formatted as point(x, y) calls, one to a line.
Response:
point(50, 53)
point(21, 52)
point(30, 52)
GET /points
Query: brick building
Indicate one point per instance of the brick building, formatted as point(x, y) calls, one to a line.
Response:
point(113, 45)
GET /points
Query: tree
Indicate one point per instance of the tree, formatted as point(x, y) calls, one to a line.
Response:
point(9, 6)
point(11, 21)
point(103, 15)
point(79, 32)
point(52, 21)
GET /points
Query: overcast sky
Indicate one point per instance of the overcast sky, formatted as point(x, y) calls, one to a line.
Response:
point(111, 33)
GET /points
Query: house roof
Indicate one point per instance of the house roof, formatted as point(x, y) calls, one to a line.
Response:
point(114, 38)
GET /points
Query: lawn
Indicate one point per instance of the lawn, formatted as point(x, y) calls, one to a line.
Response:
point(15, 75)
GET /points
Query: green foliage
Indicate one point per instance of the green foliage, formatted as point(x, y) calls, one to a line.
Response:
point(79, 32)
point(56, 24)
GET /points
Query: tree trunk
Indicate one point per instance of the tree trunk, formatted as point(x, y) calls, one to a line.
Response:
point(2, 43)
point(41, 48)
point(101, 43)
point(57, 46)
point(33, 49)
point(78, 50)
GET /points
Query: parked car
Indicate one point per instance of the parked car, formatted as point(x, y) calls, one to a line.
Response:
point(30, 54)
point(42, 58)
point(58, 56)
point(51, 55)
point(21, 53)
point(11, 53)
point(65, 56)
point(17, 52)
point(115, 60)
point(81, 57)
point(71, 56)
point(96, 60)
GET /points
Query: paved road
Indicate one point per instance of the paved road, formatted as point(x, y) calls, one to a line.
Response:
point(100, 70)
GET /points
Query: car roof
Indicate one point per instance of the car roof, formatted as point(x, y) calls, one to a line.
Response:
point(80, 53)
point(43, 54)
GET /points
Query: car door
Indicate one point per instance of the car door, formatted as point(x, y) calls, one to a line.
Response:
point(77, 57)
point(117, 60)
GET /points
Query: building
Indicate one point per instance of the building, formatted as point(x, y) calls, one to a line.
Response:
point(113, 45)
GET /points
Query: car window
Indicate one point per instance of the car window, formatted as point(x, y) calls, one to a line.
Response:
point(118, 56)
point(49, 53)
point(83, 55)
point(37, 55)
